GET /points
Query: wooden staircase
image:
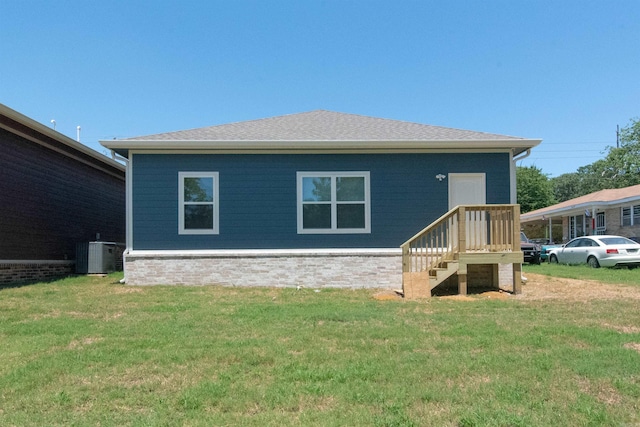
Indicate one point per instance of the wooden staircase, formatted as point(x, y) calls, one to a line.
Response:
point(466, 235)
point(440, 274)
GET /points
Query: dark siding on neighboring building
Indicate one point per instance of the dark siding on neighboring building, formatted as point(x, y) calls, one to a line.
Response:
point(49, 201)
point(258, 197)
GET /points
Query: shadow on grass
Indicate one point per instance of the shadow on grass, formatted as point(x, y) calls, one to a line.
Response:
point(450, 290)
point(23, 283)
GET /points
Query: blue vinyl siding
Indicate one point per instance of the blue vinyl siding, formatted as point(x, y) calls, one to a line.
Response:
point(258, 197)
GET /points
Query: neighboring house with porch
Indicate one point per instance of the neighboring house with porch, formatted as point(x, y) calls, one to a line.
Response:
point(614, 211)
point(54, 193)
point(310, 199)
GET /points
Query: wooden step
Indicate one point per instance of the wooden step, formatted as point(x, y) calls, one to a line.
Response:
point(420, 284)
point(442, 274)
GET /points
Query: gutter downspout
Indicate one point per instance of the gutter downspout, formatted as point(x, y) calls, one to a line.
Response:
point(526, 154)
point(513, 189)
point(118, 157)
point(514, 192)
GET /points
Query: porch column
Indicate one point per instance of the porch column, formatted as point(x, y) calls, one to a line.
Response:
point(495, 276)
point(517, 279)
point(517, 268)
point(462, 247)
point(462, 284)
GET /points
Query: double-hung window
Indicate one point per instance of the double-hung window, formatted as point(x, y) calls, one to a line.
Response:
point(333, 202)
point(198, 208)
point(626, 216)
point(631, 215)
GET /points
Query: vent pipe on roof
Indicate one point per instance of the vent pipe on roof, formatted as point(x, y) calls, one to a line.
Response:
point(53, 123)
point(78, 133)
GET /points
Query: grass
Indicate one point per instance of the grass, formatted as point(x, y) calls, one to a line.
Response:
point(584, 272)
point(90, 351)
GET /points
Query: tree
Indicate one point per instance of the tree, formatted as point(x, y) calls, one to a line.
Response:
point(566, 186)
point(623, 163)
point(619, 168)
point(631, 134)
point(534, 189)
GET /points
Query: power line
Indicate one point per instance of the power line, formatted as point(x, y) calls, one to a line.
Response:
point(576, 143)
point(557, 156)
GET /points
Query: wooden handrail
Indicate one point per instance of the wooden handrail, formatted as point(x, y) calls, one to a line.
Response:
point(467, 228)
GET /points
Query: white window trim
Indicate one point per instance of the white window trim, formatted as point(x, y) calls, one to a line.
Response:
point(334, 226)
point(632, 221)
point(622, 208)
point(573, 233)
point(632, 209)
point(181, 204)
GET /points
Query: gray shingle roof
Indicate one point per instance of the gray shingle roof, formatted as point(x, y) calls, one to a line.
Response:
point(602, 197)
point(322, 125)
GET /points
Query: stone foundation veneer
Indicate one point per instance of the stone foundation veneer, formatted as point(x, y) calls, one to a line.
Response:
point(317, 268)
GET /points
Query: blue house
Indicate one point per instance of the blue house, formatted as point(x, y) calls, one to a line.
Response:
point(312, 199)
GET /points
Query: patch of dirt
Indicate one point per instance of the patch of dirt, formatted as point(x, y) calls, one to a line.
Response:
point(79, 344)
point(541, 287)
point(126, 290)
point(623, 329)
point(495, 295)
point(457, 297)
point(387, 295)
point(633, 346)
point(604, 392)
point(474, 296)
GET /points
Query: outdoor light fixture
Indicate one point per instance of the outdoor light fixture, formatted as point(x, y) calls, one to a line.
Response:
point(440, 177)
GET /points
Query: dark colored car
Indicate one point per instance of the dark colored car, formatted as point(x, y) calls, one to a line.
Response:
point(530, 250)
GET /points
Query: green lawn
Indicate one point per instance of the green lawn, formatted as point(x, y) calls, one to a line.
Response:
point(584, 272)
point(90, 351)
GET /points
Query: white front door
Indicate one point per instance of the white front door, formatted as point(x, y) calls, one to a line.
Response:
point(470, 189)
point(467, 189)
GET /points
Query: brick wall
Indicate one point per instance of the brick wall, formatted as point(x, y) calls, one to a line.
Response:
point(352, 270)
point(614, 224)
point(340, 269)
point(31, 271)
point(613, 218)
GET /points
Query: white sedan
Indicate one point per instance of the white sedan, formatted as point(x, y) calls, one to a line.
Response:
point(596, 251)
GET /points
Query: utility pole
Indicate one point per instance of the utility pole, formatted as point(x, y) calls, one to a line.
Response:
point(617, 136)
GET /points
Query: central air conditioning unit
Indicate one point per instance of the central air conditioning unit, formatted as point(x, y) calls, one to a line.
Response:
point(95, 257)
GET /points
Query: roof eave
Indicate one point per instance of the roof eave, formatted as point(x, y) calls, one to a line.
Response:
point(518, 146)
point(534, 216)
point(59, 137)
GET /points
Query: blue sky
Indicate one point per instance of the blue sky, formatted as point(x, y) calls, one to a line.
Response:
point(567, 72)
